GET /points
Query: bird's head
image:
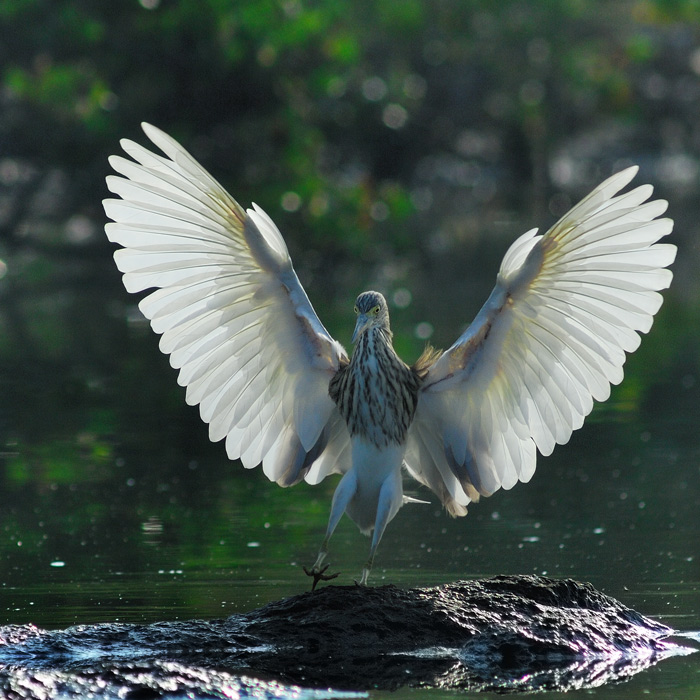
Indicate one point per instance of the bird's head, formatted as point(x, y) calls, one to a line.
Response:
point(372, 312)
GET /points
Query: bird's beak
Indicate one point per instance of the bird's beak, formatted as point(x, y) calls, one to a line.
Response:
point(362, 323)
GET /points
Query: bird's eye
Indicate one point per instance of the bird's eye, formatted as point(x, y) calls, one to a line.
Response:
point(375, 310)
point(357, 311)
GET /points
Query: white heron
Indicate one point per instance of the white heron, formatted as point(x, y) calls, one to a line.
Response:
point(271, 381)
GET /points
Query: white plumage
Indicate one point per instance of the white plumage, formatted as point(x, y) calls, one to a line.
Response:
point(551, 338)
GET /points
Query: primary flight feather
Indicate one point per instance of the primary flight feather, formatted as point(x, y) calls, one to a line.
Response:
point(270, 380)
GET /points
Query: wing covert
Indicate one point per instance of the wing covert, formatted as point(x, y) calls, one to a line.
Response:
point(552, 337)
point(231, 312)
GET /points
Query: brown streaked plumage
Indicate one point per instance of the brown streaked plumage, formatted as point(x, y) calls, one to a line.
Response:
point(377, 392)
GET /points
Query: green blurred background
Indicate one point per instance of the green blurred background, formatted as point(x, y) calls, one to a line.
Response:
point(398, 145)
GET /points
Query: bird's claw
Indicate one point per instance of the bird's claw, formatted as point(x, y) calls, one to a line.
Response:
point(320, 575)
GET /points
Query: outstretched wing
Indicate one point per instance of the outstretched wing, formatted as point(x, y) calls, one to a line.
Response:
point(233, 315)
point(552, 337)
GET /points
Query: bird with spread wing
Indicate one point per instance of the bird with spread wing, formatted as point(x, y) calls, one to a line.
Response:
point(271, 381)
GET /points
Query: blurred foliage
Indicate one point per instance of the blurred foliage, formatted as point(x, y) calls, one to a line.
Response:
point(395, 143)
point(343, 101)
point(399, 146)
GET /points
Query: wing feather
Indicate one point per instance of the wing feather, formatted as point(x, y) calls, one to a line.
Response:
point(337, 453)
point(230, 310)
point(551, 339)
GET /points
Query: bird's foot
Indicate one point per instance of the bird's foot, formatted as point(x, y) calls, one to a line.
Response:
point(320, 575)
point(363, 578)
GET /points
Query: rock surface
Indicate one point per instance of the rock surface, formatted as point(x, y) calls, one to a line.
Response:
point(508, 633)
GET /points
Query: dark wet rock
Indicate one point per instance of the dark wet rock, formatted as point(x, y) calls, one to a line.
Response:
point(509, 633)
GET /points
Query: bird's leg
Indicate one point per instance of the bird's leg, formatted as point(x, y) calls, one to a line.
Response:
point(342, 496)
point(386, 510)
point(372, 551)
point(322, 554)
point(365, 572)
